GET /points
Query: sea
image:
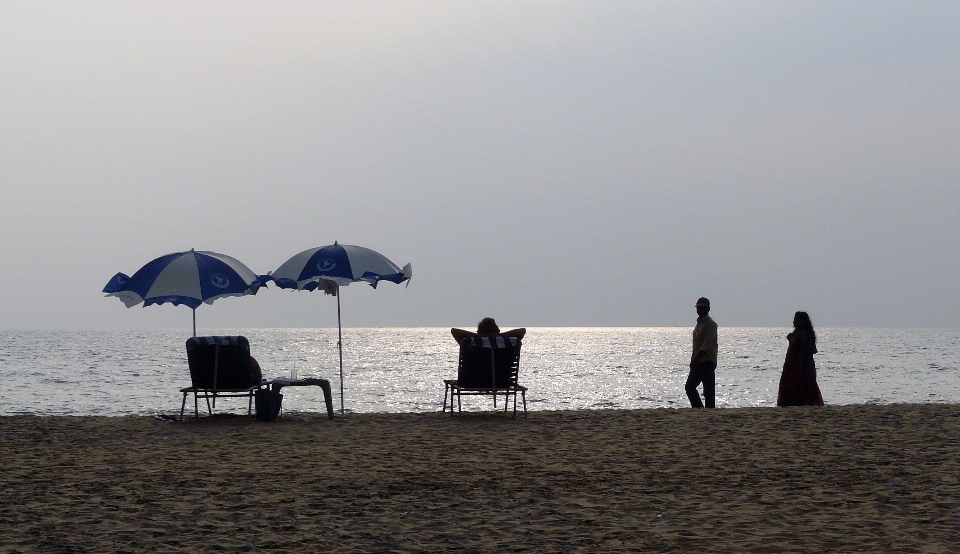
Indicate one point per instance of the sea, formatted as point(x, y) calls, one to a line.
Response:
point(140, 372)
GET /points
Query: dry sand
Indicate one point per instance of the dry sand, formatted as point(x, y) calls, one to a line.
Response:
point(834, 479)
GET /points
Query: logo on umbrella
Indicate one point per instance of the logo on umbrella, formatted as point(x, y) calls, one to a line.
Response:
point(219, 280)
point(326, 264)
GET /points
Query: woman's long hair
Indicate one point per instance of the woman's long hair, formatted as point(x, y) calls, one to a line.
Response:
point(801, 321)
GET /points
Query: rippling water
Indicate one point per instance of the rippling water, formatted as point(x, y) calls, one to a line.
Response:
point(402, 369)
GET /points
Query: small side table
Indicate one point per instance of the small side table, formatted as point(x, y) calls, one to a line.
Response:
point(277, 384)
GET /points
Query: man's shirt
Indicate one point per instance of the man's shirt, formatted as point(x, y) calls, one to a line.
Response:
point(705, 339)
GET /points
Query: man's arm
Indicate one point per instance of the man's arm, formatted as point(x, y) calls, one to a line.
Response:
point(710, 337)
point(460, 334)
point(519, 333)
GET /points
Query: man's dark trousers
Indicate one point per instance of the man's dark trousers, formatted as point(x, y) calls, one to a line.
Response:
point(706, 373)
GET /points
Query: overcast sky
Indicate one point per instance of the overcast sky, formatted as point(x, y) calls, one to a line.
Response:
point(545, 163)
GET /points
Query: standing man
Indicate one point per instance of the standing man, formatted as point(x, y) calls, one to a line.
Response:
point(703, 361)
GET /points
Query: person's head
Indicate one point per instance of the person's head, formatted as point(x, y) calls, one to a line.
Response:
point(801, 320)
point(487, 326)
point(703, 306)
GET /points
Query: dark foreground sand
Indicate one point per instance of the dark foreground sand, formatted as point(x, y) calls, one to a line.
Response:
point(835, 479)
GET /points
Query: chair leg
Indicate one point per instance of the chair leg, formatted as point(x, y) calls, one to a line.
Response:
point(196, 407)
point(524, 394)
point(183, 405)
point(459, 406)
point(446, 389)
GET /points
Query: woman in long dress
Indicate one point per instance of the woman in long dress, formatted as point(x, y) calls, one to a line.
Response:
point(798, 382)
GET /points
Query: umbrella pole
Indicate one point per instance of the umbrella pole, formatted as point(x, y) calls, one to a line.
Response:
point(340, 347)
point(194, 321)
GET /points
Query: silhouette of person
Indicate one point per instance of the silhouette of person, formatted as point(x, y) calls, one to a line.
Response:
point(256, 374)
point(487, 326)
point(703, 360)
point(798, 381)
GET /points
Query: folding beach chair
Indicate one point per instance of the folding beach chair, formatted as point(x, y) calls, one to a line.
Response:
point(487, 366)
point(219, 368)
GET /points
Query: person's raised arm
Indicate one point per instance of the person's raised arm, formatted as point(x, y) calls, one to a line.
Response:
point(460, 334)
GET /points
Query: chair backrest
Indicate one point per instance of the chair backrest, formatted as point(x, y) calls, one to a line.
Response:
point(219, 363)
point(489, 362)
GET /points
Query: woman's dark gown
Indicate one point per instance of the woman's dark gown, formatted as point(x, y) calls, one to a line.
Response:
point(798, 382)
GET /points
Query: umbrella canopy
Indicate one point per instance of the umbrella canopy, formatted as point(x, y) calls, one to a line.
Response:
point(329, 267)
point(192, 278)
point(341, 264)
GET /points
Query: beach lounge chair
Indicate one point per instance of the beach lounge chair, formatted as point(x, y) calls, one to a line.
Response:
point(219, 368)
point(488, 366)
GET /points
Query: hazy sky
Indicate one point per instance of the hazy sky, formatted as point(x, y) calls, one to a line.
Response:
point(544, 163)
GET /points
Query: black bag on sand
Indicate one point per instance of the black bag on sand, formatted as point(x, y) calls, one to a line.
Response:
point(268, 404)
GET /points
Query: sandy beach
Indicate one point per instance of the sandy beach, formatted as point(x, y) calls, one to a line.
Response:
point(834, 479)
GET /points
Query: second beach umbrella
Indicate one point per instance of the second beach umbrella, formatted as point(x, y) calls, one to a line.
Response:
point(328, 267)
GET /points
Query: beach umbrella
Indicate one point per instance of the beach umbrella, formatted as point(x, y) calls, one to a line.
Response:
point(327, 268)
point(191, 278)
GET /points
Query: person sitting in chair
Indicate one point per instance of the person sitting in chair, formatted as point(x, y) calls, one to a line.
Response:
point(256, 374)
point(487, 327)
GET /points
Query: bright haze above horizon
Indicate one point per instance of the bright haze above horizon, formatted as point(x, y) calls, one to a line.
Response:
point(543, 163)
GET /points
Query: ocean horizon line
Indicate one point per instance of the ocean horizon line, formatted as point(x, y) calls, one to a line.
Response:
point(505, 326)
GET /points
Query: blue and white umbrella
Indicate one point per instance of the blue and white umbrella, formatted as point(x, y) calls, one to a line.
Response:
point(341, 264)
point(191, 278)
point(329, 267)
